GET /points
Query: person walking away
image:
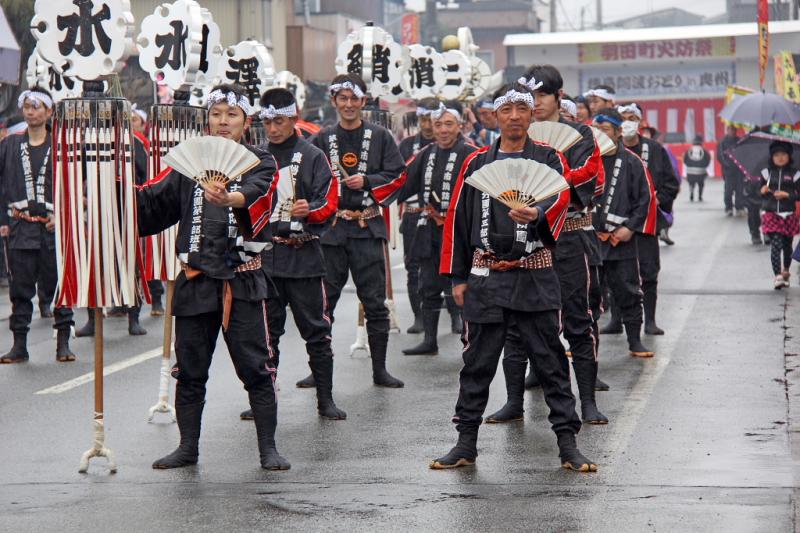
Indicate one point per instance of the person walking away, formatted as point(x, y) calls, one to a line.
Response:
point(696, 161)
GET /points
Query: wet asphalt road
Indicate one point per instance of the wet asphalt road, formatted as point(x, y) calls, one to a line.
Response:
point(701, 437)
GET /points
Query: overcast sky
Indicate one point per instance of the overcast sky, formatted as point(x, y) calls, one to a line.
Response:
point(617, 9)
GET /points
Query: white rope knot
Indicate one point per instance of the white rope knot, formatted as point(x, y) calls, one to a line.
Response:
point(36, 98)
point(336, 87)
point(231, 98)
point(436, 114)
point(269, 113)
point(630, 108)
point(531, 84)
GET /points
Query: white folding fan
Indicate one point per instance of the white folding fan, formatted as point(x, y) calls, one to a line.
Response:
point(558, 135)
point(284, 199)
point(208, 160)
point(604, 142)
point(518, 183)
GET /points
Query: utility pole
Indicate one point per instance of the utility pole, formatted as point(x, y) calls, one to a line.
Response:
point(553, 18)
point(583, 14)
point(599, 10)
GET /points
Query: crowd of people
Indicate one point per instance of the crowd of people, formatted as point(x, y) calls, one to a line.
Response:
point(512, 280)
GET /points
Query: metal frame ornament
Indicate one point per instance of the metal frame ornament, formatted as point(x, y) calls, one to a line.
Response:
point(372, 53)
point(171, 44)
point(87, 39)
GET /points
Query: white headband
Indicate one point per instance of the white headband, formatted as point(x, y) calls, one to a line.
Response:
point(600, 93)
point(270, 112)
point(139, 112)
point(423, 111)
point(513, 96)
point(486, 104)
point(531, 84)
point(569, 107)
point(436, 114)
point(35, 97)
point(336, 87)
point(631, 108)
point(231, 98)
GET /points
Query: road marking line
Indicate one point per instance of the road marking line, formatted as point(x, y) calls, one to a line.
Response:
point(639, 397)
point(110, 369)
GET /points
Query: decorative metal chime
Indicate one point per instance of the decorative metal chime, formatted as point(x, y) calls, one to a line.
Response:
point(93, 170)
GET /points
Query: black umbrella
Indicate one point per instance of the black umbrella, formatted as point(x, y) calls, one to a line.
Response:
point(751, 154)
point(761, 109)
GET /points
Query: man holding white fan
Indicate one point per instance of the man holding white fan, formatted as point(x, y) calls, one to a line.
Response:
point(223, 218)
point(576, 250)
point(508, 208)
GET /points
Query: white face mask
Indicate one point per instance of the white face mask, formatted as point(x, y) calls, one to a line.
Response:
point(630, 128)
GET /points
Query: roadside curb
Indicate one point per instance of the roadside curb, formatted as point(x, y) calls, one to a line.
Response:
point(791, 349)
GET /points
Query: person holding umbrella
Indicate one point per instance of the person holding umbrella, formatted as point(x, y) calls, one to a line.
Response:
point(779, 192)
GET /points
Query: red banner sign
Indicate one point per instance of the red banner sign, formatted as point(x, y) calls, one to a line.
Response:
point(409, 29)
point(763, 40)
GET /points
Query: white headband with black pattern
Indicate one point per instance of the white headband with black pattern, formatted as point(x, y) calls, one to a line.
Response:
point(269, 113)
point(35, 97)
point(513, 96)
point(436, 114)
point(569, 107)
point(336, 87)
point(231, 98)
point(630, 108)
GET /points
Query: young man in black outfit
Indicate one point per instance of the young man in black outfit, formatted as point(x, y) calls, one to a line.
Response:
point(222, 232)
point(295, 263)
point(28, 224)
point(431, 177)
point(500, 264)
point(627, 207)
point(657, 162)
point(368, 166)
point(576, 244)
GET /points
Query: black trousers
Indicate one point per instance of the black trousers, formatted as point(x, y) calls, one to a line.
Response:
point(577, 320)
point(364, 260)
point(433, 286)
point(596, 300)
point(535, 333)
point(649, 263)
point(3, 257)
point(26, 269)
point(248, 342)
point(306, 297)
point(408, 228)
point(156, 287)
point(624, 283)
point(754, 218)
point(734, 191)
